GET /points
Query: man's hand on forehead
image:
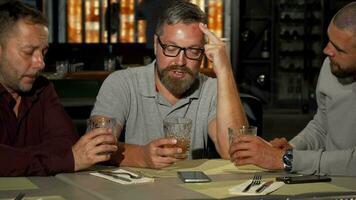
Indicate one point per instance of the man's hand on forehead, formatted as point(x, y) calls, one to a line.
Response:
point(210, 37)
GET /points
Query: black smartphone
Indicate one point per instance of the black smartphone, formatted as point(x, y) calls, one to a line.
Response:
point(193, 177)
point(303, 179)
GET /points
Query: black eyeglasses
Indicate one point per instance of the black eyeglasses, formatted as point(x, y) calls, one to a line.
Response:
point(173, 51)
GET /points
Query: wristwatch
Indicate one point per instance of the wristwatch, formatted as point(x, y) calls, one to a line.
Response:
point(287, 160)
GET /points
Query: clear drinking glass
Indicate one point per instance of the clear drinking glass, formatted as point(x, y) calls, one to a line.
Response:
point(244, 130)
point(62, 68)
point(178, 128)
point(232, 135)
point(109, 64)
point(248, 130)
point(102, 122)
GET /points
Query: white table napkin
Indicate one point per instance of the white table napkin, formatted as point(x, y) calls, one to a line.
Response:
point(133, 181)
point(237, 190)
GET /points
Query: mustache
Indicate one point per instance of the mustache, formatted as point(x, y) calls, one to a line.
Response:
point(182, 68)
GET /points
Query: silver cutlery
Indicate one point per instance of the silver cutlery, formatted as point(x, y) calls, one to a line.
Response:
point(20, 196)
point(256, 180)
point(264, 186)
point(130, 175)
point(115, 176)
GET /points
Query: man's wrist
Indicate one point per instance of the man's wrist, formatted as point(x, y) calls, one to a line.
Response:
point(223, 73)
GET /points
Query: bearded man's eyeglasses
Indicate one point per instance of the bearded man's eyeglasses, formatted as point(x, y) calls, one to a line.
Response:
point(191, 53)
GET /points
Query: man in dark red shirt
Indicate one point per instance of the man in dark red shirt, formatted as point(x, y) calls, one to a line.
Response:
point(37, 137)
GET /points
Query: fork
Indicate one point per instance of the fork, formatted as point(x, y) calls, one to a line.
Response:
point(256, 180)
point(19, 196)
point(136, 176)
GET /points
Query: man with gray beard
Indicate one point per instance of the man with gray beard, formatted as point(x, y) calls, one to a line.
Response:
point(171, 86)
point(327, 145)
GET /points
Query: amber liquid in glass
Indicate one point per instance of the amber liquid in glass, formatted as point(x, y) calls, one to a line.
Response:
point(182, 143)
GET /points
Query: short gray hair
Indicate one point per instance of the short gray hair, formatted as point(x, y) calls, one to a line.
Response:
point(180, 11)
point(12, 11)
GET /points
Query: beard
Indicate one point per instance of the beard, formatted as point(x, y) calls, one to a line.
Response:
point(342, 72)
point(14, 81)
point(177, 86)
point(14, 78)
point(26, 87)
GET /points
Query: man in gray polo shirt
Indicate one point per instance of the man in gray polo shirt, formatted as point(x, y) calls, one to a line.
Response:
point(140, 98)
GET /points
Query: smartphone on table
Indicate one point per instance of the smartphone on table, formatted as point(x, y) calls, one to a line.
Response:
point(193, 177)
point(303, 179)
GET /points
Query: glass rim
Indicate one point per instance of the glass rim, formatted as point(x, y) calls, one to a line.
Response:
point(248, 127)
point(101, 118)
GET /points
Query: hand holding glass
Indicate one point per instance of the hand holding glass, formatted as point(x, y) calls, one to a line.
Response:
point(102, 122)
point(178, 128)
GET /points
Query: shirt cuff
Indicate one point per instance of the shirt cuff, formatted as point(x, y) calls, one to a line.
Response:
point(306, 161)
point(64, 163)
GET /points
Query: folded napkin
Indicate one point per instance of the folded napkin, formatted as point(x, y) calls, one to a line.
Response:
point(237, 190)
point(125, 182)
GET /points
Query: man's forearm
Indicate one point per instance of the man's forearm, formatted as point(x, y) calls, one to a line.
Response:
point(33, 161)
point(230, 113)
point(339, 162)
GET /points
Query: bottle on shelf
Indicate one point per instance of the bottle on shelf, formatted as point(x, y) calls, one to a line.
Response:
point(265, 53)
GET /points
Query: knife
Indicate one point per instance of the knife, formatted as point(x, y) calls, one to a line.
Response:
point(114, 176)
point(264, 186)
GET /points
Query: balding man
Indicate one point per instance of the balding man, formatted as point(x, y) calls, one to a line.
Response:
point(327, 145)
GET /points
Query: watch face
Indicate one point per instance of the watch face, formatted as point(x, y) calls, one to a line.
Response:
point(287, 160)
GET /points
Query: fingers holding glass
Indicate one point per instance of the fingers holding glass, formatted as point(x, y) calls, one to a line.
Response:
point(178, 128)
point(96, 122)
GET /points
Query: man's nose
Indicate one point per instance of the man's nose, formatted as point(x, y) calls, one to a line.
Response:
point(38, 61)
point(181, 58)
point(328, 50)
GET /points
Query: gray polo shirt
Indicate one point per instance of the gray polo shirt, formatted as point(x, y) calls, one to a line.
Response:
point(130, 96)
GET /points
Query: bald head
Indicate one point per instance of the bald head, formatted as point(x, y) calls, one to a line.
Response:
point(345, 18)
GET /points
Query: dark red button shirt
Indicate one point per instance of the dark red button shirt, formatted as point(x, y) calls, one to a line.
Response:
point(39, 140)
